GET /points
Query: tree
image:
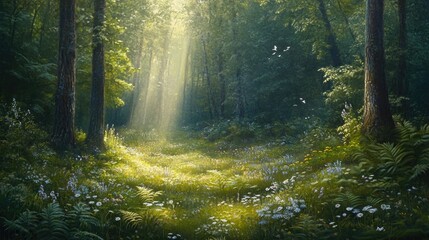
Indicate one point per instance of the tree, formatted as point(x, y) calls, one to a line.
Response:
point(377, 119)
point(331, 39)
point(401, 85)
point(63, 132)
point(96, 121)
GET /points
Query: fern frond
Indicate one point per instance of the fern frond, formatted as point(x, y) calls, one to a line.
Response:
point(147, 194)
point(349, 198)
point(24, 225)
point(81, 217)
point(132, 219)
point(53, 224)
point(419, 170)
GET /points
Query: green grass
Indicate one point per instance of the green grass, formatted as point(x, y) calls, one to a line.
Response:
point(184, 187)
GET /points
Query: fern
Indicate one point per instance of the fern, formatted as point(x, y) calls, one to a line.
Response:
point(350, 199)
point(24, 225)
point(394, 158)
point(52, 225)
point(132, 219)
point(81, 218)
point(147, 194)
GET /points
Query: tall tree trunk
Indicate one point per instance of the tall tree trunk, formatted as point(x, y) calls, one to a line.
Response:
point(240, 105)
point(222, 83)
point(331, 39)
point(347, 22)
point(377, 119)
point(401, 86)
point(212, 105)
point(63, 132)
point(96, 120)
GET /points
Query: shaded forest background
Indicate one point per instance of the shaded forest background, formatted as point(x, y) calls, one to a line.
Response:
point(262, 61)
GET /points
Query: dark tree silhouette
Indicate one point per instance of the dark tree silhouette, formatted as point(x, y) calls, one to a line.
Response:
point(63, 132)
point(96, 122)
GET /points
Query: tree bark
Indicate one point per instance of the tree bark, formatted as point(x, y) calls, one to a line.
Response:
point(377, 119)
point(331, 39)
point(63, 132)
point(96, 121)
point(401, 86)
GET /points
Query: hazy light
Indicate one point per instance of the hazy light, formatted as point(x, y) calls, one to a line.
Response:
point(161, 93)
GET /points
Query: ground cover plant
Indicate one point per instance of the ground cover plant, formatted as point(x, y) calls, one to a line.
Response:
point(187, 186)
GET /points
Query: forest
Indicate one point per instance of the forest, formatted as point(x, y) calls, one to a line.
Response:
point(214, 119)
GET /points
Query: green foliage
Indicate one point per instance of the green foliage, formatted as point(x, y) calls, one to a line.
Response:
point(347, 86)
point(405, 160)
point(53, 223)
point(14, 125)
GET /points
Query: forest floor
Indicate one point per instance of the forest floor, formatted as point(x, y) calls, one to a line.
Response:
point(207, 189)
point(189, 187)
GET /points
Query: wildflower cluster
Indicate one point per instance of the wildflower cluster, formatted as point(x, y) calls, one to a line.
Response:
point(216, 227)
point(174, 236)
point(281, 211)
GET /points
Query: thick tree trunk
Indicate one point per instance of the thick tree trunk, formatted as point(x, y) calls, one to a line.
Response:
point(63, 132)
point(331, 39)
point(96, 121)
point(377, 119)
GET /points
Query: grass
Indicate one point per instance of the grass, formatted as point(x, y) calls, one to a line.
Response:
point(187, 187)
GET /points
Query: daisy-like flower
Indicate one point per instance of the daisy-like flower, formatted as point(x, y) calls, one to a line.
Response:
point(359, 215)
point(117, 219)
point(98, 204)
point(337, 205)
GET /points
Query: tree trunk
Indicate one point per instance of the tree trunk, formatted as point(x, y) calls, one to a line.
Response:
point(96, 121)
point(212, 105)
point(331, 39)
point(377, 119)
point(222, 83)
point(63, 132)
point(401, 86)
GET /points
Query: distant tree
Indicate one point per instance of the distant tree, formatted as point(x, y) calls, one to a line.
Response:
point(331, 39)
point(63, 132)
point(377, 119)
point(401, 85)
point(96, 121)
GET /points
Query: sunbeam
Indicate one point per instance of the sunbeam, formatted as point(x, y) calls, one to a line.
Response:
point(161, 92)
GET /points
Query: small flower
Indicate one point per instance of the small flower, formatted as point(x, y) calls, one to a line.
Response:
point(344, 214)
point(349, 209)
point(337, 205)
point(359, 215)
point(366, 208)
point(385, 207)
point(91, 202)
point(380, 229)
point(117, 219)
point(372, 210)
point(77, 195)
point(98, 204)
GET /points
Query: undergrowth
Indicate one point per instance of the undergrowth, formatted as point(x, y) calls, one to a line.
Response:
point(229, 181)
